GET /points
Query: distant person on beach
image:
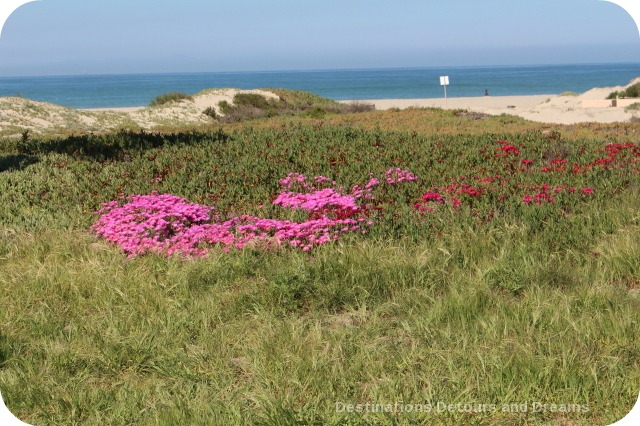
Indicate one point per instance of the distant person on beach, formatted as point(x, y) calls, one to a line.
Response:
point(486, 92)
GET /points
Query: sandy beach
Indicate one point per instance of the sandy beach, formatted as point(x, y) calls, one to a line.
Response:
point(566, 108)
point(127, 110)
point(550, 108)
point(19, 114)
point(484, 103)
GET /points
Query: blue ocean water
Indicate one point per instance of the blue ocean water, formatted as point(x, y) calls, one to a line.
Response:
point(106, 91)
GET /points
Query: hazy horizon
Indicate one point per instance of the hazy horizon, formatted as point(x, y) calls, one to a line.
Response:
point(310, 70)
point(73, 37)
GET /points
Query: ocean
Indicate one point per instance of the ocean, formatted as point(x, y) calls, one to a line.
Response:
point(108, 91)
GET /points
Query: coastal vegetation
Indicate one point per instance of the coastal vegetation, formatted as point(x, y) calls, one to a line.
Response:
point(168, 98)
point(632, 91)
point(289, 102)
point(633, 107)
point(276, 270)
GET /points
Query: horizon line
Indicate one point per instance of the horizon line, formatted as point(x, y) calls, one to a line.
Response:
point(310, 70)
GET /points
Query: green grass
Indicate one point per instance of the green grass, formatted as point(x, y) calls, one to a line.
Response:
point(168, 98)
point(243, 338)
point(247, 106)
point(499, 304)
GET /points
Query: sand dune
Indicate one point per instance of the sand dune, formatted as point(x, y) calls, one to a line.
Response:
point(18, 114)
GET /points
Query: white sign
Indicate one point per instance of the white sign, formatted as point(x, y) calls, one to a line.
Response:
point(444, 82)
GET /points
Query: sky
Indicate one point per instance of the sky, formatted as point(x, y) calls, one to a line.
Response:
point(68, 37)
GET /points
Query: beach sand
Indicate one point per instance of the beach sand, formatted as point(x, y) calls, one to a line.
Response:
point(126, 110)
point(567, 108)
point(483, 103)
point(18, 114)
point(188, 111)
point(551, 108)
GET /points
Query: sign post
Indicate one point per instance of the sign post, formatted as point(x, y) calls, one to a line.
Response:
point(444, 82)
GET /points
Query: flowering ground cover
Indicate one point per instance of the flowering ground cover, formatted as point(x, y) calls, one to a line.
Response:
point(261, 276)
point(168, 224)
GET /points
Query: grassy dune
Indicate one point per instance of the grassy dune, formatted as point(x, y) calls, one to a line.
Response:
point(495, 301)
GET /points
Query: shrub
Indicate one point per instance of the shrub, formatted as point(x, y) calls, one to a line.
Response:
point(241, 114)
point(632, 91)
point(290, 102)
point(316, 112)
point(211, 112)
point(224, 107)
point(303, 101)
point(633, 107)
point(251, 99)
point(252, 105)
point(357, 106)
point(169, 98)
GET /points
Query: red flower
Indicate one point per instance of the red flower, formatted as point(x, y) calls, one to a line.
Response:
point(510, 149)
point(433, 196)
point(558, 161)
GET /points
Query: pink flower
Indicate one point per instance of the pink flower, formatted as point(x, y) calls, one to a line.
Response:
point(166, 224)
point(372, 182)
point(397, 175)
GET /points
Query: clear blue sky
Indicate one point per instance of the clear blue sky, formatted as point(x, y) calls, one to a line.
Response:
point(130, 36)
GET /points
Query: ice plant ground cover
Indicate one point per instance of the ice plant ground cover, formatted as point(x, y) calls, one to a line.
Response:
point(514, 178)
point(501, 266)
point(167, 224)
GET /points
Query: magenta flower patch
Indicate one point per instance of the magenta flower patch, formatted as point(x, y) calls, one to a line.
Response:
point(166, 224)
